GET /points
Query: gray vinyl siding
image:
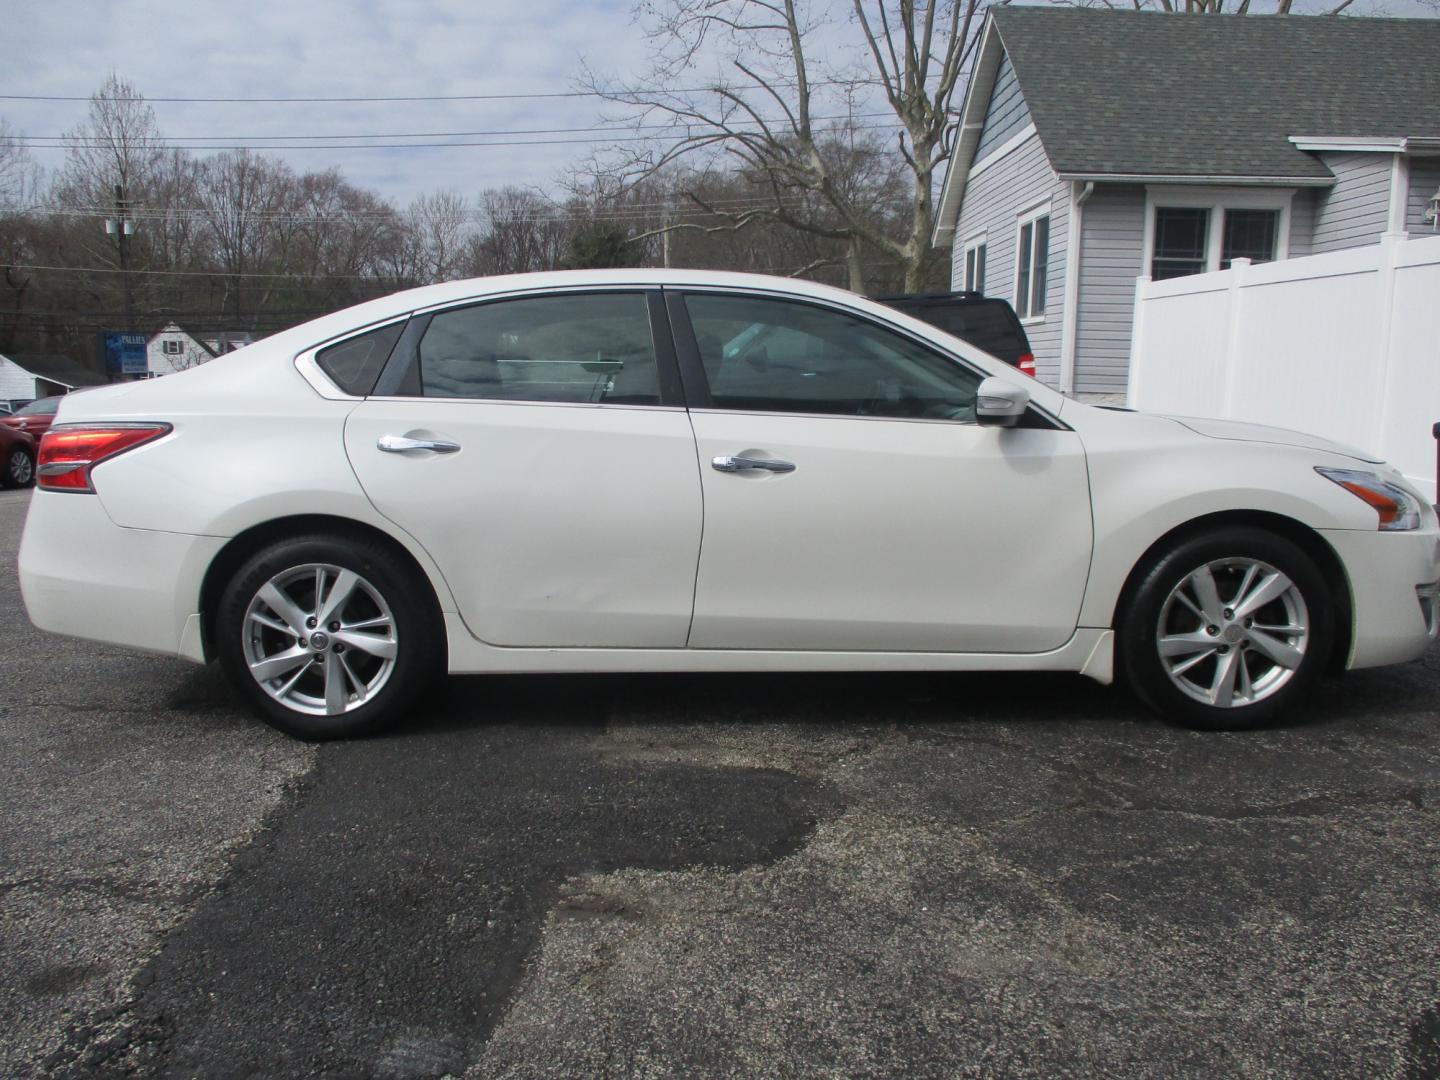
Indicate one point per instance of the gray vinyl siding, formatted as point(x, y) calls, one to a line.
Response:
point(1111, 249)
point(1424, 182)
point(1007, 112)
point(1355, 211)
point(1302, 221)
point(993, 202)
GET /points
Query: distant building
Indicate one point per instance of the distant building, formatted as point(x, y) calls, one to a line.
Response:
point(27, 376)
point(173, 348)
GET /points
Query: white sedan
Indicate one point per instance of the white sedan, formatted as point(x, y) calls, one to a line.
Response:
point(649, 470)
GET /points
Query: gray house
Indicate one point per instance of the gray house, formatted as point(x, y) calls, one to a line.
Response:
point(1095, 146)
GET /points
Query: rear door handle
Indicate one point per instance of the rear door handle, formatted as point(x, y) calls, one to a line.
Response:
point(398, 444)
point(735, 463)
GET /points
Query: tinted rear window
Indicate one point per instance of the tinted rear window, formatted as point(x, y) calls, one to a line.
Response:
point(988, 325)
point(43, 407)
point(354, 364)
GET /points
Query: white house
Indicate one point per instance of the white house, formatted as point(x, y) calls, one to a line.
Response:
point(27, 376)
point(173, 349)
point(1098, 146)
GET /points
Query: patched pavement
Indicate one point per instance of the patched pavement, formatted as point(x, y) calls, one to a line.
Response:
point(710, 876)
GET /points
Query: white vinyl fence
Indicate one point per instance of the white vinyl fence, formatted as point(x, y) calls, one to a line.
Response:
point(1344, 345)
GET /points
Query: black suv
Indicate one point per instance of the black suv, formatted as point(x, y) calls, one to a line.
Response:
point(985, 322)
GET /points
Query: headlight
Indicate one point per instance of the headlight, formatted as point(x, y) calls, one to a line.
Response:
point(1399, 510)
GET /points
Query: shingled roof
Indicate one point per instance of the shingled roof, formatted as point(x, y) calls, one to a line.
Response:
point(1147, 93)
point(55, 368)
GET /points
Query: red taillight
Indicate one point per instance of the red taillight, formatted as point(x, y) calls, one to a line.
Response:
point(1026, 364)
point(67, 454)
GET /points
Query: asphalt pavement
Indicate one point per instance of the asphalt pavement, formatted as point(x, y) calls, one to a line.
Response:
point(841, 875)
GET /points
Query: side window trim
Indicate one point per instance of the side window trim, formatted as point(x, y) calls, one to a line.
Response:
point(401, 375)
point(687, 350)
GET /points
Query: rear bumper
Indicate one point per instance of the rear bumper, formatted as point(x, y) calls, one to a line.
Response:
point(1390, 575)
point(84, 576)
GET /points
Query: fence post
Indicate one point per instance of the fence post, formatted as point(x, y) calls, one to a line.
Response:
point(1387, 268)
point(1239, 271)
point(1137, 363)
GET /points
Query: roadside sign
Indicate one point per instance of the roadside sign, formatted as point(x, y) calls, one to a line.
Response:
point(125, 353)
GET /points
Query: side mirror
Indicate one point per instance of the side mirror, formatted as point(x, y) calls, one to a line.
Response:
point(999, 403)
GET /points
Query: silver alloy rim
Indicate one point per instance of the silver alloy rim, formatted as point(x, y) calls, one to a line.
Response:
point(1233, 632)
point(320, 639)
point(21, 467)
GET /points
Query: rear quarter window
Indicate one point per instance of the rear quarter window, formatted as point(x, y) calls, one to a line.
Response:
point(355, 363)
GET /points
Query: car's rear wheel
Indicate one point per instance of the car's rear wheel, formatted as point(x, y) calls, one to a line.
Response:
point(328, 636)
point(19, 468)
point(1227, 629)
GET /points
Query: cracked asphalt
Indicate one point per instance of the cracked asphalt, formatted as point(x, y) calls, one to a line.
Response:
point(710, 876)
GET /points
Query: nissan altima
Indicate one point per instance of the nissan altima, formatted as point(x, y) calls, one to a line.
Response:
point(641, 470)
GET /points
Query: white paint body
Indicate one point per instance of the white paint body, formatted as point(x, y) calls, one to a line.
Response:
point(597, 537)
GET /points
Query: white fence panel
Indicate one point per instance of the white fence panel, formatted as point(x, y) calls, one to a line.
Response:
point(1344, 345)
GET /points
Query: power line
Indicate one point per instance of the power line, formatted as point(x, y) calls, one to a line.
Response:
point(466, 134)
point(717, 135)
point(539, 95)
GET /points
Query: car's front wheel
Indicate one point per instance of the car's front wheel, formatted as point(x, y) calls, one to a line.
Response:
point(328, 636)
point(19, 468)
point(1227, 629)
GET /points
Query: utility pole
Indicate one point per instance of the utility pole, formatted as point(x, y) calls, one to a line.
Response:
point(123, 228)
point(665, 234)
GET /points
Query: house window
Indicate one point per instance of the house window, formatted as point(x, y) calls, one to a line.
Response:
point(1249, 234)
point(1181, 241)
point(172, 348)
point(1196, 231)
point(974, 279)
point(1032, 265)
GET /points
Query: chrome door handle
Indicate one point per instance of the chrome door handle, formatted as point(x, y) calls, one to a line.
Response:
point(398, 444)
point(728, 463)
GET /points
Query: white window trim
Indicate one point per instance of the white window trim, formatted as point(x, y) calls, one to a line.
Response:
point(976, 240)
point(1025, 217)
point(1217, 200)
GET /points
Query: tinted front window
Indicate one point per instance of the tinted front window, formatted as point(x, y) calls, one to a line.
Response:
point(778, 356)
point(594, 349)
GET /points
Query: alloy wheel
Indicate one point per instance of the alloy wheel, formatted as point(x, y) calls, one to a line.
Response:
point(1233, 632)
point(319, 639)
point(21, 468)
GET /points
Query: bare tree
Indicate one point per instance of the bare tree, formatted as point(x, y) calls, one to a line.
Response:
point(118, 145)
point(521, 231)
point(783, 116)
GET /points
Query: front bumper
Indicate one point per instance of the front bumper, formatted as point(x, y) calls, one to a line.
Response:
point(84, 576)
point(1391, 576)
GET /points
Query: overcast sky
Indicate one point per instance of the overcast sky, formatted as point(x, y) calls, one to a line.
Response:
point(340, 48)
point(331, 48)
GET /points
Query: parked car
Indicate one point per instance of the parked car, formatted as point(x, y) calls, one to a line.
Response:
point(984, 321)
point(17, 458)
point(35, 417)
point(500, 475)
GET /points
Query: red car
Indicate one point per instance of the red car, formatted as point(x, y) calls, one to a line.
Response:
point(17, 457)
point(34, 418)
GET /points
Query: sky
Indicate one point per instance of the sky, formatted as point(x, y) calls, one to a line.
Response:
point(332, 48)
point(354, 48)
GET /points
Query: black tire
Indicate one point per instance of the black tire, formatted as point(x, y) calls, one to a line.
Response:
point(19, 469)
point(1229, 552)
point(418, 632)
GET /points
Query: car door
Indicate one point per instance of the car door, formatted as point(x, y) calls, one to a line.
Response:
point(851, 501)
point(537, 448)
